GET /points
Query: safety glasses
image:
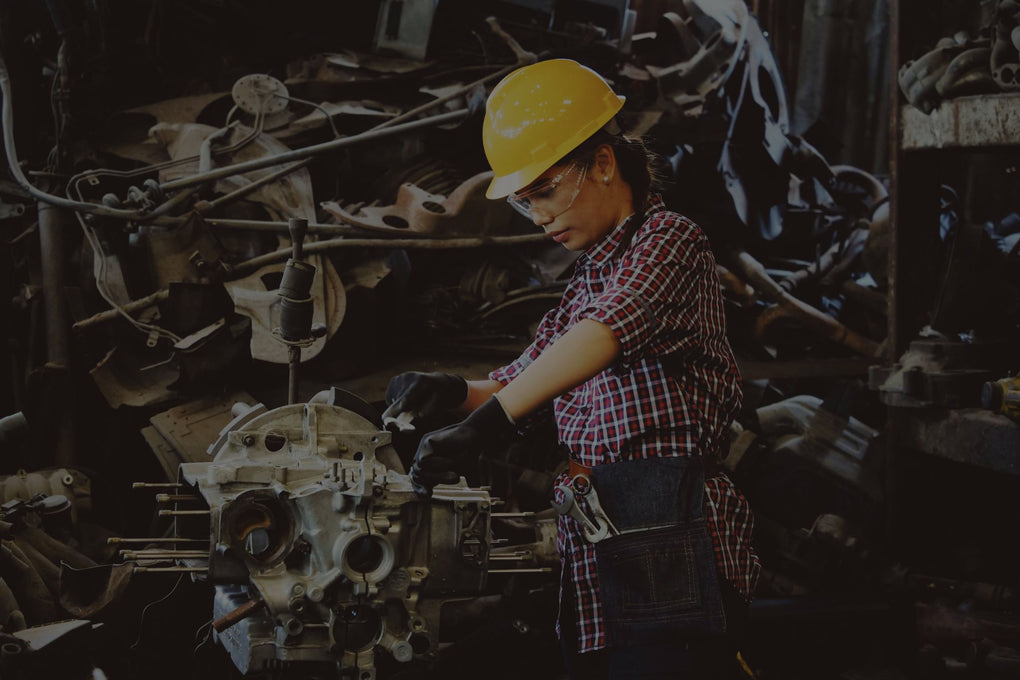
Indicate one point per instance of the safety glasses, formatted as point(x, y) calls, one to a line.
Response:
point(550, 197)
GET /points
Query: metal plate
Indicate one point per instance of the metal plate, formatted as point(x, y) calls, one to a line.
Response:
point(259, 92)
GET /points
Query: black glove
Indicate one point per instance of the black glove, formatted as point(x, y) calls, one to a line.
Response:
point(444, 453)
point(422, 395)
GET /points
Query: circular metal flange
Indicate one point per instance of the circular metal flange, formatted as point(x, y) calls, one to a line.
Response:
point(260, 93)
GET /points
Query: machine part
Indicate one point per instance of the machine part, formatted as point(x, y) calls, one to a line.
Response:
point(972, 436)
point(1005, 53)
point(259, 94)
point(940, 373)
point(70, 484)
point(918, 78)
point(966, 74)
point(13, 428)
point(182, 434)
point(255, 300)
point(404, 26)
point(346, 561)
point(787, 306)
point(466, 212)
point(1002, 396)
point(807, 428)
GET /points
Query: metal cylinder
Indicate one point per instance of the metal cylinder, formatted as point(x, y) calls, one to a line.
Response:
point(297, 279)
point(296, 318)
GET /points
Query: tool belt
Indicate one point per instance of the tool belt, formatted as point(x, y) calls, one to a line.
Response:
point(654, 557)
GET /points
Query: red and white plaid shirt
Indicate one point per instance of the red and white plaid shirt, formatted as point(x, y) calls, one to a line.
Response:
point(661, 297)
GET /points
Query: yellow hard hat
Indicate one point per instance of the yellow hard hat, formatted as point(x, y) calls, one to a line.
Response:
point(538, 114)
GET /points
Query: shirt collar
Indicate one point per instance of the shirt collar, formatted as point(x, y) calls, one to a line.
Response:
point(603, 250)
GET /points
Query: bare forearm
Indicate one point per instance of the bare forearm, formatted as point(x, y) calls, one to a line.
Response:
point(585, 350)
point(478, 392)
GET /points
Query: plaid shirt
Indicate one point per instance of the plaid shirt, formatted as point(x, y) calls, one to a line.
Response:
point(660, 297)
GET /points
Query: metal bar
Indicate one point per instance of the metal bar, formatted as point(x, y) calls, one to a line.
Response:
point(156, 485)
point(169, 498)
point(111, 314)
point(536, 570)
point(182, 513)
point(255, 263)
point(169, 570)
point(314, 150)
point(117, 540)
point(163, 554)
point(231, 618)
point(511, 514)
point(293, 362)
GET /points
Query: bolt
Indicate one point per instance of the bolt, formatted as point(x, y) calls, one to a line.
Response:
point(248, 440)
point(298, 589)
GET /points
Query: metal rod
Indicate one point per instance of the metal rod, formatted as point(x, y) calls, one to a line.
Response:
point(407, 243)
point(181, 513)
point(169, 570)
point(117, 540)
point(537, 570)
point(315, 149)
point(511, 514)
point(293, 362)
point(231, 618)
point(156, 485)
point(111, 314)
point(236, 194)
point(168, 498)
point(163, 555)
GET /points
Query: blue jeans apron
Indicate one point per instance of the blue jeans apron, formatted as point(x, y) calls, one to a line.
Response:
point(657, 578)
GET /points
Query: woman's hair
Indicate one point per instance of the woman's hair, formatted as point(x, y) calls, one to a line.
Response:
point(641, 168)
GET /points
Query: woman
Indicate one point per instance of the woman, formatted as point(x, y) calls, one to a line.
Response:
point(635, 365)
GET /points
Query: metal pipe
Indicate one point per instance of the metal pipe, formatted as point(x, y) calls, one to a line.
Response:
point(208, 206)
point(293, 362)
point(232, 618)
point(183, 513)
point(408, 243)
point(314, 150)
point(111, 314)
point(117, 540)
point(14, 164)
point(52, 249)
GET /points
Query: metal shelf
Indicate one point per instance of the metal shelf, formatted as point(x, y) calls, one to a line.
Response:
point(964, 123)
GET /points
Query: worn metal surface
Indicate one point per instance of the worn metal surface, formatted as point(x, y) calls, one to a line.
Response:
point(973, 436)
point(967, 122)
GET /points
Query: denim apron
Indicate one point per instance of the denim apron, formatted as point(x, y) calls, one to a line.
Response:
point(657, 577)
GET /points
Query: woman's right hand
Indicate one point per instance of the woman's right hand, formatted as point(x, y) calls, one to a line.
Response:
point(415, 395)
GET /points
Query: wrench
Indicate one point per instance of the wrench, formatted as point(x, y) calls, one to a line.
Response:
point(592, 531)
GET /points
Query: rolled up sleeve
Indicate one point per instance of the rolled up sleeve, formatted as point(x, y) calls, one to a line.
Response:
point(651, 304)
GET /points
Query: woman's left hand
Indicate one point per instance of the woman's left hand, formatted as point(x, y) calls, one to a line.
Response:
point(444, 454)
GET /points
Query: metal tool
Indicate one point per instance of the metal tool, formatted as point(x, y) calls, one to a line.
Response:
point(594, 523)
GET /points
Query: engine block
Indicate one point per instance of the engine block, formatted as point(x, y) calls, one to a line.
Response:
point(321, 553)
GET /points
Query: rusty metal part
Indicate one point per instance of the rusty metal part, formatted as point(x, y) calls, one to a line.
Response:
point(789, 307)
point(35, 599)
point(314, 150)
point(86, 592)
point(130, 307)
point(233, 618)
point(465, 212)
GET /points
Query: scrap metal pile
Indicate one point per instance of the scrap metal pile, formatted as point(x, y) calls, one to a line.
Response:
point(213, 215)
